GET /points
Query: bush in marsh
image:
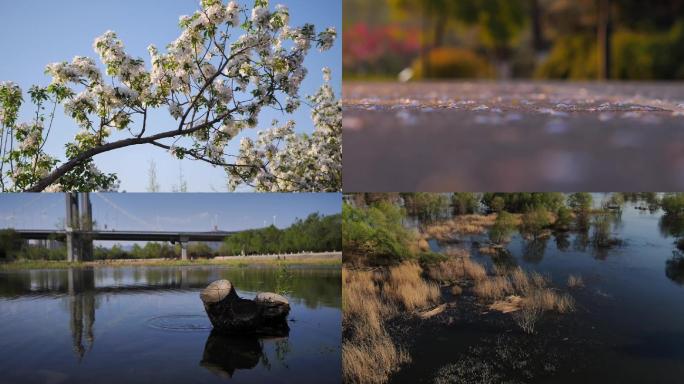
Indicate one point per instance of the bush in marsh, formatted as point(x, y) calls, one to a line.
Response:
point(535, 221)
point(376, 234)
point(673, 204)
point(503, 228)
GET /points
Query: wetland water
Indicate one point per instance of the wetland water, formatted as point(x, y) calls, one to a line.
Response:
point(628, 326)
point(147, 324)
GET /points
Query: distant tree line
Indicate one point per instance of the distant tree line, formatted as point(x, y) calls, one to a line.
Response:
point(316, 233)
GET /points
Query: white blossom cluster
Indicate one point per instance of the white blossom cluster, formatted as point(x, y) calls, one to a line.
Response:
point(303, 162)
point(228, 64)
point(10, 97)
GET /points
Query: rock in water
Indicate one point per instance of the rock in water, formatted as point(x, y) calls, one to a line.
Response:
point(229, 313)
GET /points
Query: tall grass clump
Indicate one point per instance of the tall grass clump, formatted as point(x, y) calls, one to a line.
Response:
point(493, 288)
point(527, 318)
point(368, 353)
point(456, 268)
point(406, 287)
point(575, 281)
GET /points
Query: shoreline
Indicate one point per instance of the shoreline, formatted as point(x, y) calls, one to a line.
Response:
point(313, 259)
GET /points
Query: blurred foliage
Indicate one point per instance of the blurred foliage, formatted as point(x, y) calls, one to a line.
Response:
point(377, 50)
point(446, 63)
point(555, 39)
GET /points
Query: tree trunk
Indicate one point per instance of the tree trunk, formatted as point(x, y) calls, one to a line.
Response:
point(425, 48)
point(440, 29)
point(604, 38)
point(538, 42)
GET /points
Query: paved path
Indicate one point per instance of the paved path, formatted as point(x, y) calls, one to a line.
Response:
point(519, 136)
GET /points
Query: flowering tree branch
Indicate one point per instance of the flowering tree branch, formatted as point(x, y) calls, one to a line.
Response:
point(213, 82)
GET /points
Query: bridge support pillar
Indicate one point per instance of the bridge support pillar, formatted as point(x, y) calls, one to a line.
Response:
point(86, 221)
point(73, 243)
point(184, 248)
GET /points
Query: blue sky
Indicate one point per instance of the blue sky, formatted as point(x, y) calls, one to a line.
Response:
point(170, 211)
point(38, 32)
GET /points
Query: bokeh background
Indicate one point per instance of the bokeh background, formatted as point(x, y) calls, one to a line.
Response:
point(541, 39)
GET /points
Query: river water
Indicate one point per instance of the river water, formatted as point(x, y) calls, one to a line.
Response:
point(628, 326)
point(147, 324)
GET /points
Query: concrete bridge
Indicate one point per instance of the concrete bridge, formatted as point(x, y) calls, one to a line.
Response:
point(79, 234)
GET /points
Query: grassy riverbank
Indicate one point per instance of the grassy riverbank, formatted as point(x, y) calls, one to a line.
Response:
point(331, 259)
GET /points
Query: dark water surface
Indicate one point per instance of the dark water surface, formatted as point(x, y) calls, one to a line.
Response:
point(628, 326)
point(147, 325)
point(513, 136)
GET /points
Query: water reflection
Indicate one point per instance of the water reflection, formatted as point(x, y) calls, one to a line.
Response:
point(80, 291)
point(533, 250)
point(223, 354)
point(149, 322)
point(82, 304)
point(562, 240)
point(671, 225)
point(504, 259)
point(674, 267)
point(312, 287)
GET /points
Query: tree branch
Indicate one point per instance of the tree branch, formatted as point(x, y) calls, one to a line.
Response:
point(71, 164)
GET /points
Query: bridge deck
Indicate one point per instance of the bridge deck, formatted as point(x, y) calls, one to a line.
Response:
point(127, 235)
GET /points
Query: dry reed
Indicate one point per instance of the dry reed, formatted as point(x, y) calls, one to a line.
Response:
point(575, 281)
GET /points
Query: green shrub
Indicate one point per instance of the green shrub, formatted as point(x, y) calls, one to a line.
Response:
point(535, 221)
point(429, 258)
point(465, 203)
point(375, 233)
point(673, 204)
point(580, 201)
point(563, 219)
point(10, 244)
point(503, 228)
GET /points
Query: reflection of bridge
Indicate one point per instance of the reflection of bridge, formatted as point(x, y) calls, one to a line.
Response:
point(79, 234)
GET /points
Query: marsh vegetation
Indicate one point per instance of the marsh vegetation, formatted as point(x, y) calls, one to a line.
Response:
point(509, 291)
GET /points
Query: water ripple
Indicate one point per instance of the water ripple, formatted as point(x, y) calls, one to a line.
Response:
point(180, 322)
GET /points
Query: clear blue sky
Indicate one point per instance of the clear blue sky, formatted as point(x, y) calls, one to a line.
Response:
point(38, 32)
point(170, 211)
